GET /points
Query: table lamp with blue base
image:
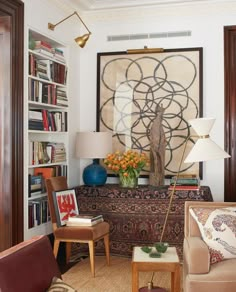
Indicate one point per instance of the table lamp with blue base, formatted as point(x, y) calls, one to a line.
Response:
point(95, 174)
point(94, 145)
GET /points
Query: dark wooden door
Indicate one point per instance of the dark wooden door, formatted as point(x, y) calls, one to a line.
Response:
point(11, 125)
point(230, 112)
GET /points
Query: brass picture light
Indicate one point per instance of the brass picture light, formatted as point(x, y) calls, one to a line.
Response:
point(81, 40)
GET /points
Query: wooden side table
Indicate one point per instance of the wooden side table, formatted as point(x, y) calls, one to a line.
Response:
point(169, 262)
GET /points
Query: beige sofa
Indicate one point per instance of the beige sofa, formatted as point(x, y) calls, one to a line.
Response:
point(199, 275)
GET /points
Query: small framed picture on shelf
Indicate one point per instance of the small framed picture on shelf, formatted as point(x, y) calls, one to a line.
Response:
point(65, 205)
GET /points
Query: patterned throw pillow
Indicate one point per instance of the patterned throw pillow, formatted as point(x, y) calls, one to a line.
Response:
point(218, 230)
point(58, 285)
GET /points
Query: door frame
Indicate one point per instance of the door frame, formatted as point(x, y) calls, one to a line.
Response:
point(230, 112)
point(12, 224)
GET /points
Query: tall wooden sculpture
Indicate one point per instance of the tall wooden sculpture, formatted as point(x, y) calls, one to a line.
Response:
point(157, 149)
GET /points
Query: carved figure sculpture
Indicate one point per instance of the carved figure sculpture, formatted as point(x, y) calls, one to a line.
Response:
point(157, 149)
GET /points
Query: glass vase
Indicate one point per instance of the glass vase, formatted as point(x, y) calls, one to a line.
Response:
point(128, 181)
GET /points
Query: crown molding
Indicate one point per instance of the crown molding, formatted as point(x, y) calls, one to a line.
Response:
point(95, 5)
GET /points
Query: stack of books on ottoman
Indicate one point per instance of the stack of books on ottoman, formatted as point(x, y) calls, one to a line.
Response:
point(185, 182)
point(84, 220)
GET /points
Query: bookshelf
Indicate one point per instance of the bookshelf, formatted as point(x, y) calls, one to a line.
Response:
point(46, 124)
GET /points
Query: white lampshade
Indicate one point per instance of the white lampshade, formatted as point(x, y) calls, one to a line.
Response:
point(204, 149)
point(93, 145)
point(202, 126)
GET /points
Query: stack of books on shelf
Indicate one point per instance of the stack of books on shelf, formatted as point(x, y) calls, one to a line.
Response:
point(50, 171)
point(46, 152)
point(35, 118)
point(43, 69)
point(58, 152)
point(58, 73)
point(59, 55)
point(38, 212)
point(39, 68)
point(35, 185)
point(47, 70)
point(84, 220)
point(44, 120)
point(47, 172)
point(185, 182)
point(44, 48)
point(48, 94)
point(62, 96)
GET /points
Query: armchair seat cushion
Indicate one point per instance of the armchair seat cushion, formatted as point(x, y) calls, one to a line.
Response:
point(83, 232)
point(221, 278)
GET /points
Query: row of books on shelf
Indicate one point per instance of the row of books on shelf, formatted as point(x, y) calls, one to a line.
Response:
point(185, 182)
point(47, 69)
point(47, 93)
point(36, 180)
point(38, 212)
point(45, 120)
point(46, 49)
point(84, 220)
point(46, 152)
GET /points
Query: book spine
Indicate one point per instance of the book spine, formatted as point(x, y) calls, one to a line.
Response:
point(185, 182)
point(183, 188)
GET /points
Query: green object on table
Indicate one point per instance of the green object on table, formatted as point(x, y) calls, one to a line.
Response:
point(146, 249)
point(161, 246)
point(155, 255)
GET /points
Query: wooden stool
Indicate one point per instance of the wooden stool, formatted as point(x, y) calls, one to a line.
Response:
point(169, 262)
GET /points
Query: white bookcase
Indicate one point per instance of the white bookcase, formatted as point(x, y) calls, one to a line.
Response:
point(46, 126)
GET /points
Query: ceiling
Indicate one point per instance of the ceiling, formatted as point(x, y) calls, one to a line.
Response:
point(90, 5)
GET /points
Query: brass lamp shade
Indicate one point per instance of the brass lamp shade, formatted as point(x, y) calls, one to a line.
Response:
point(81, 40)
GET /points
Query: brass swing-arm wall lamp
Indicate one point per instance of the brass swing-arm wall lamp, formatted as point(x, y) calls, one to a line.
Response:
point(81, 40)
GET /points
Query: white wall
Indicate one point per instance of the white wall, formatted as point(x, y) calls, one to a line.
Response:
point(206, 23)
point(37, 16)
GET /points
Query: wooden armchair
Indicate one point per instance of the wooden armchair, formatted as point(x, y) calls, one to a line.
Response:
point(81, 234)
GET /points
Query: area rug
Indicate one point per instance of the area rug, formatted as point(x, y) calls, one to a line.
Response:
point(114, 278)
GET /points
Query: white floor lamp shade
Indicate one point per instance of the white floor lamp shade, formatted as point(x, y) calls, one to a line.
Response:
point(204, 149)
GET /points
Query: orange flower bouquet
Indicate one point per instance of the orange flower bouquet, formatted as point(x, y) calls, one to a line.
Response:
point(127, 165)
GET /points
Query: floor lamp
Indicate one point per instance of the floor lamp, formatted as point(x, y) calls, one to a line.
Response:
point(203, 150)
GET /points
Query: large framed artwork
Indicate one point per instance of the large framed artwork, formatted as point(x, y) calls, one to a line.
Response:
point(131, 86)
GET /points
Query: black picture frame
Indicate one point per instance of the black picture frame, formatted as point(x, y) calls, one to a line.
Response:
point(65, 205)
point(129, 86)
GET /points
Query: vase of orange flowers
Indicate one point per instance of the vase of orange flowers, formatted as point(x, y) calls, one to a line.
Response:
point(127, 166)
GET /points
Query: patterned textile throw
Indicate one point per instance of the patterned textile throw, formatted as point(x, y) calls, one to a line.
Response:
point(136, 215)
point(218, 230)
